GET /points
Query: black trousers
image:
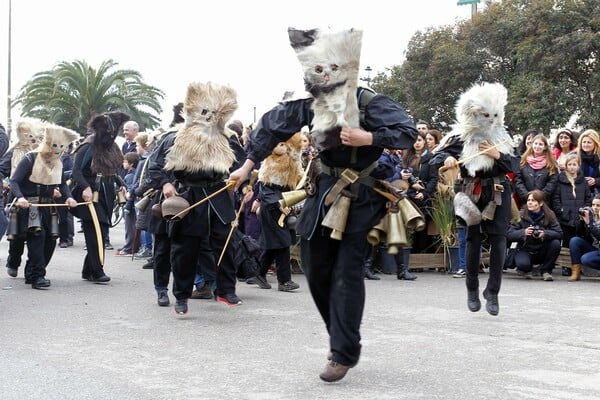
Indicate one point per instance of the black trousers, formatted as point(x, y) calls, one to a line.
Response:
point(497, 256)
point(282, 263)
point(546, 256)
point(207, 264)
point(91, 262)
point(185, 251)
point(161, 261)
point(40, 248)
point(334, 272)
point(16, 247)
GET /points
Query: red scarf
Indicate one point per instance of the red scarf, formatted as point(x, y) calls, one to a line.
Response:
point(536, 162)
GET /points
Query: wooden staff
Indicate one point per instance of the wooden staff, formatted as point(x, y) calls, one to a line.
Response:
point(235, 222)
point(196, 204)
point(444, 168)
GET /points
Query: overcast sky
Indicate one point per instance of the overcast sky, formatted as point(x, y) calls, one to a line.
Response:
point(172, 43)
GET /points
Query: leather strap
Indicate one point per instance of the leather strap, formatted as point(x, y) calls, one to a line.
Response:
point(347, 177)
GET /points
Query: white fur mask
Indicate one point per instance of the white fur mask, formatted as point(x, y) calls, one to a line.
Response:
point(480, 117)
point(330, 62)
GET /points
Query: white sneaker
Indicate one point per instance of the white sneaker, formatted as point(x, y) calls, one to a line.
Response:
point(461, 273)
point(547, 277)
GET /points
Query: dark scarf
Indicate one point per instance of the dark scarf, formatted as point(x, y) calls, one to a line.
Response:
point(536, 217)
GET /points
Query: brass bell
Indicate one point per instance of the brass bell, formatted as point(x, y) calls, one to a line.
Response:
point(157, 210)
point(35, 223)
point(13, 225)
point(396, 233)
point(290, 199)
point(377, 233)
point(54, 230)
point(172, 206)
point(488, 212)
point(336, 217)
point(121, 198)
point(411, 215)
point(143, 203)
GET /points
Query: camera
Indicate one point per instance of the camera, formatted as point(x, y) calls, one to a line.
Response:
point(413, 179)
point(536, 231)
point(582, 211)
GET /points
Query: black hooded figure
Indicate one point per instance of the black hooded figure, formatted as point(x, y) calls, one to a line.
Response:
point(97, 161)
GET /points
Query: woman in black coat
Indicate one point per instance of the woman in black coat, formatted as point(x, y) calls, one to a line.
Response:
point(571, 194)
point(422, 181)
point(588, 149)
point(538, 235)
point(538, 170)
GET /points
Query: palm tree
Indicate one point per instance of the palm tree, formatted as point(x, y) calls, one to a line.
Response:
point(72, 92)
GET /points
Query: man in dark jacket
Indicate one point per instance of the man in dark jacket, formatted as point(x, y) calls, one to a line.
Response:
point(348, 156)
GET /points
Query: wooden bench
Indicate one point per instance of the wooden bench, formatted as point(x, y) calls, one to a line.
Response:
point(564, 258)
point(436, 261)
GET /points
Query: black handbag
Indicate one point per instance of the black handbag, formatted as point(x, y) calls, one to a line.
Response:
point(509, 261)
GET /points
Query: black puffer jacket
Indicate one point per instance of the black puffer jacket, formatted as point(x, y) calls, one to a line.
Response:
point(528, 179)
point(547, 222)
point(564, 204)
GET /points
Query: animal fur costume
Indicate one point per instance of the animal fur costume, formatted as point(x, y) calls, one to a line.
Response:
point(30, 133)
point(284, 166)
point(330, 61)
point(202, 143)
point(480, 117)
point(47, 167)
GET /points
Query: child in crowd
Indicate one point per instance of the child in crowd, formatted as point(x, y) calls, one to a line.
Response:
point(130, 162)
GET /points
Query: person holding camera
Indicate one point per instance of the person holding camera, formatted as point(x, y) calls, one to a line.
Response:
point(538, 235)
point(422, 181)
point(584, 246)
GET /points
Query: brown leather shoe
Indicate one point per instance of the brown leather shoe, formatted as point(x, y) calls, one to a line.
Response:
point(334, 371)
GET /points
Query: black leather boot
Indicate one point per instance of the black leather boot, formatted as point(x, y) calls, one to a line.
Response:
point(369, 273)
point(369, 265)
point(404, 273)
point(491, 304)
point(473, 301)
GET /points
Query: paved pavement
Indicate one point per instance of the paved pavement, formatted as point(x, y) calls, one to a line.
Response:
point(80, 340)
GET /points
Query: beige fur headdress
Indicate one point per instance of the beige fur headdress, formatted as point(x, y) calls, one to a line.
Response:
point(284, 166)
point(47, 168)
point(30, 133)
point(202, 144)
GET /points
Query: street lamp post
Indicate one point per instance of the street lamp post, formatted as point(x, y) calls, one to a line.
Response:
point(9, 100)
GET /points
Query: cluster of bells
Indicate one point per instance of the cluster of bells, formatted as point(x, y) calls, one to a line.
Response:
point(401, 215)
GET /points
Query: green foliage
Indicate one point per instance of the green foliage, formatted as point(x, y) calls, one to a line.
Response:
point(442, 214)
point(545, 52)
point(71, 93)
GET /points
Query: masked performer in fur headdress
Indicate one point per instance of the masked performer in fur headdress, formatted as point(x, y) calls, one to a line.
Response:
point(97, 161)
point(38, 179)
point(483, 198)
point(280, 172)
point(29, 134)
point(198, 159)
point(347, 145)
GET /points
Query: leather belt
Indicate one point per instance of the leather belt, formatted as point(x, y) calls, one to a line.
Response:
point(347, 176)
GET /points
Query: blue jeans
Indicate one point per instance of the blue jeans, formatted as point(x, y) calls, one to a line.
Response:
point(146, 240)
point(462, 247)
point(583, 252)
